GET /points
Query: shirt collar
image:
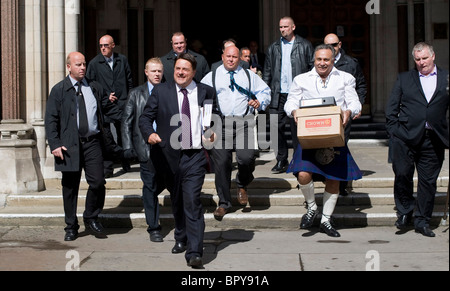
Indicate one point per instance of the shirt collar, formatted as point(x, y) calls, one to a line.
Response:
point(150, 87)
point(433, 73)
point(189, 88)
point(75, 82)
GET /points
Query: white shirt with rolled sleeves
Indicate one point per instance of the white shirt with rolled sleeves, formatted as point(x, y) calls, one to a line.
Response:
point(234, 103)
point(339, 84)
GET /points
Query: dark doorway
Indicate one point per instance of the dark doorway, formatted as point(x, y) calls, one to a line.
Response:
point(209, 26)
point(348, 19)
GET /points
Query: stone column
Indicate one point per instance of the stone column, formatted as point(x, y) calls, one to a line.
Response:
point(19, 162)
point(10, 60)
point(384, 43)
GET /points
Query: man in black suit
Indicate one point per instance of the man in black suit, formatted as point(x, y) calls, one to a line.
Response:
point(417, 124)
point(75, 140)
point(113, 72)
point(179, 46)
point(183, 153)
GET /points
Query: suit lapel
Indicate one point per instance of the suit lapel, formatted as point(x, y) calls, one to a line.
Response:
point(440, 82)
point(201, 95)
point(416, 78)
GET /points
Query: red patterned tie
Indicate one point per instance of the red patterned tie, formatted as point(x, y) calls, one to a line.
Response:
point(186, 131)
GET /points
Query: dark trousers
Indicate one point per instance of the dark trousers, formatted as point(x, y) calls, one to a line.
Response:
point(150, 195)
point(186, 204)
point(427, 158)
point(283, 119)
point(222, 160)
point(114, 150)
point(92, 163)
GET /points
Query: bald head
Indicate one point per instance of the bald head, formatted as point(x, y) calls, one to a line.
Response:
point(231, 58)
point(76, 65)
point(107, 45)
point(333, 40)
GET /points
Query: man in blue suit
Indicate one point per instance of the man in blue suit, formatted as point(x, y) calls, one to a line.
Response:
point(417, 124)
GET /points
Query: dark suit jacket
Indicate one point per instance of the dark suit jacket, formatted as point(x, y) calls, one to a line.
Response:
point(118, 80)
point(61, 124)
point(408, 110)
point(169, 63)
point(162, 106)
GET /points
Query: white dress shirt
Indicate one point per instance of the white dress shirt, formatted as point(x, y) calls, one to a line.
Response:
point(339, 84)
point(196, 125)
point(234, 103)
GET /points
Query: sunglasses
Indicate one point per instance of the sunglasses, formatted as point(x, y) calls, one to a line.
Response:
point(334, 44)
point(104, 45)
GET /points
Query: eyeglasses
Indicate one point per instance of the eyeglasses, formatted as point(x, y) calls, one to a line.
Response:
point(104, 45)
point(334, 44)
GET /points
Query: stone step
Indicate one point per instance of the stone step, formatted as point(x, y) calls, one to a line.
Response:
point(285, 181)
point(257, 197)
point(286, 217)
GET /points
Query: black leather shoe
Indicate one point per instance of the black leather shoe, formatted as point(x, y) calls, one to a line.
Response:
point(425, 231)
point(178, 248)
point(94, 225)
point(308, 219)
point(71, 235)
point(403, 221)
point(280, 167)
point(195, 262)
point(329, 229)
point(155, 236)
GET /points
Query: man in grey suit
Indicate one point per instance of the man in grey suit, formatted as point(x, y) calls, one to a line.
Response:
point(418, 128)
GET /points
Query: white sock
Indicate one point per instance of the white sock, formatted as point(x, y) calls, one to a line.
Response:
point(308, 192)
point(329, 202)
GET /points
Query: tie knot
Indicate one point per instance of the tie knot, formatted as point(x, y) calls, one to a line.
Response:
point(79, 85)
point(232, 73)
point(184, 91)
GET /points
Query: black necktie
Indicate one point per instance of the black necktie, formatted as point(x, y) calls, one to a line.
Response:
point(83, 127)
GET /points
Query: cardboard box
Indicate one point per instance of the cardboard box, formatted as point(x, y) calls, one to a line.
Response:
point(320, 127)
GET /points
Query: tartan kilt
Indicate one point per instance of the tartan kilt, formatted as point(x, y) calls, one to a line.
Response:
point(342, 168)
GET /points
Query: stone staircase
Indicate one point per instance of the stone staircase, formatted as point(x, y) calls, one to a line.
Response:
point(274, 201)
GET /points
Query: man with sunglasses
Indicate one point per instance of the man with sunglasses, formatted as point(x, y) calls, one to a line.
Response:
point(346, 63)
point(113, 72)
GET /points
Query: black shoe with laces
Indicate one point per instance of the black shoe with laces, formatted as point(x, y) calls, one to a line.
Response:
point(329, 229)
point(308, 218)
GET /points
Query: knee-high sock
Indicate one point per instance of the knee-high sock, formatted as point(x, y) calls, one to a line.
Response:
point(308, 192)
point(329, 203)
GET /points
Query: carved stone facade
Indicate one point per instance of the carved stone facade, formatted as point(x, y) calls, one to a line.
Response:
point(36, 37)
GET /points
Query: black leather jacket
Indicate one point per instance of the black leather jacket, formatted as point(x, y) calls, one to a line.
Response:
point(350, 65)
point(302, 60)
point(131, 134)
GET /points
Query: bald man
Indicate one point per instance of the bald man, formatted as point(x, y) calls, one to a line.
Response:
point(113, 72)
point(73, 124)
point(240, 93)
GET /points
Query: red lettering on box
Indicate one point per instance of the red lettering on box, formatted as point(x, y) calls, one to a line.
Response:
point(314, 123)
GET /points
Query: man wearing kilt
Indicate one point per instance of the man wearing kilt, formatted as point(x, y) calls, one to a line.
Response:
point(334, 164)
